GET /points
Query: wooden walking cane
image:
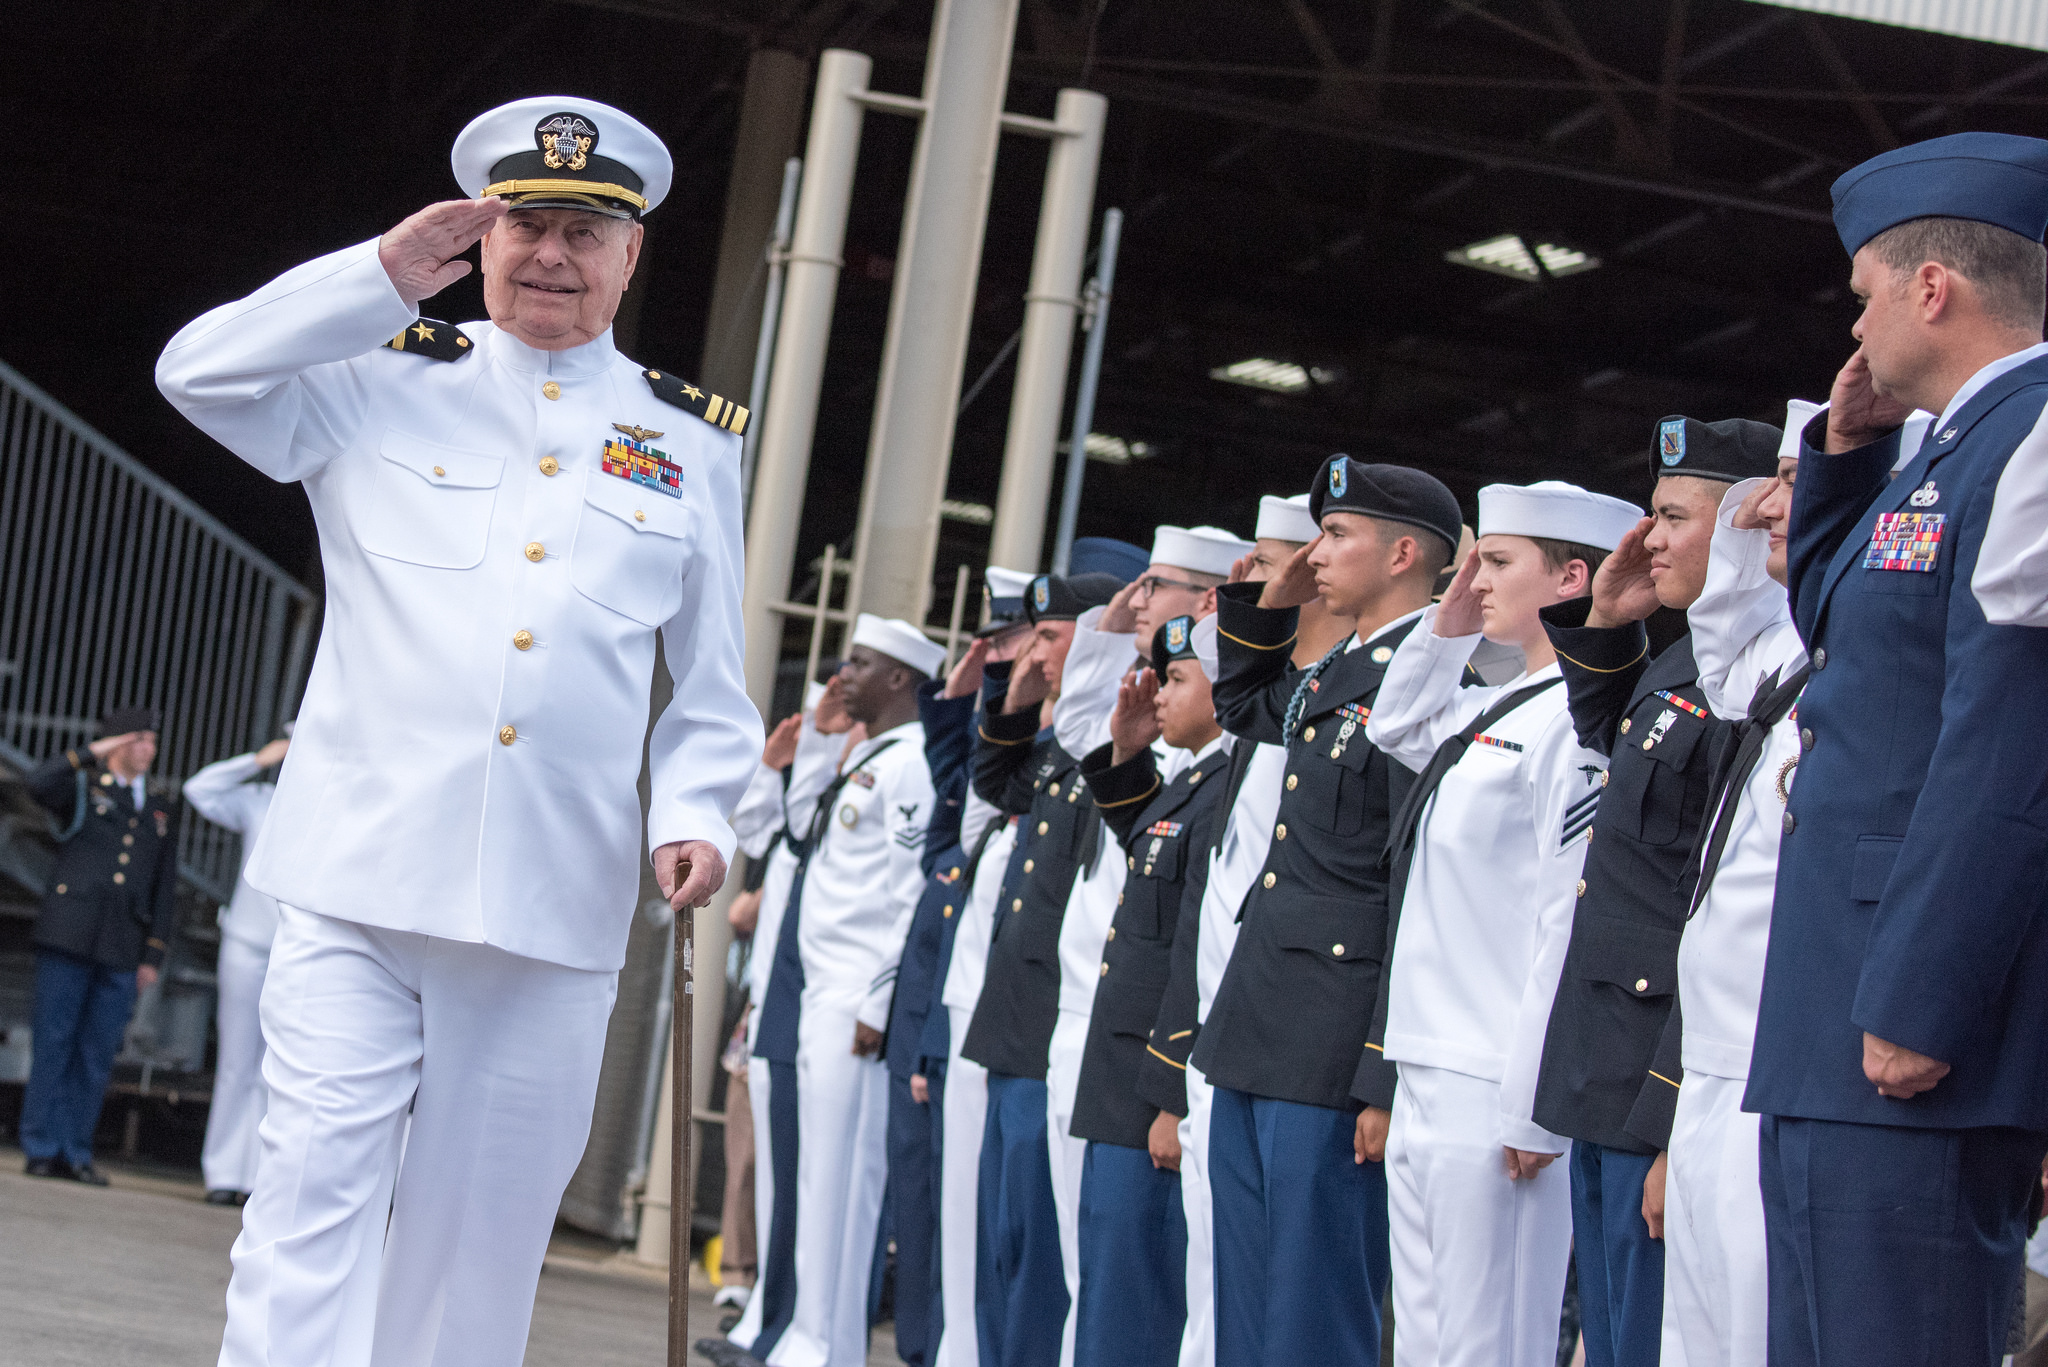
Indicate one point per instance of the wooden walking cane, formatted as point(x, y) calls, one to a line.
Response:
point(682, 1129)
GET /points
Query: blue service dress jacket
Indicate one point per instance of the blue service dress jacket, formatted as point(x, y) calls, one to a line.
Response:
point(1914, 862)
point(948, 740)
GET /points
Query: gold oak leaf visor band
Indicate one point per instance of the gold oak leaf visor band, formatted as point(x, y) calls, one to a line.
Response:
point(581, 190)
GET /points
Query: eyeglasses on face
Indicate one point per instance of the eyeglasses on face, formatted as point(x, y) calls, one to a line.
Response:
point(1152, 583)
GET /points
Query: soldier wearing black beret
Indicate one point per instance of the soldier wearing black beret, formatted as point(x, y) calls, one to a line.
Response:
point(1614, 999)
point(102, 933)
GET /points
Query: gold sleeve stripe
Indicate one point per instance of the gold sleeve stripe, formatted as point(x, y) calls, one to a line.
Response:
point(997, 740)
point(1595, 669)
point(1129, 800)
point(1164, 1059)
point(1661, 1078)
point(1252, 645)
point(1376, 1048)
point(1180, 1035)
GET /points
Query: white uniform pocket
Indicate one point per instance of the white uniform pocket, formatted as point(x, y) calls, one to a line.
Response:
point(631, 542)
point(432, 503)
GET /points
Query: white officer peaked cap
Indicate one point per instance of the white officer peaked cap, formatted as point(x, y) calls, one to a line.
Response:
point(1798, 413)
point(1285, 519)
point(1004, 583)
point(563, 152)
point(1205, 550)
point(900, 641)
point(1556, 511)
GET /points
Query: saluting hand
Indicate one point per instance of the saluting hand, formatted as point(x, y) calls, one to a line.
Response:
point(830, 714)
point(1120, 618)
point(1295, 585)
point(1135, 723)
point(1748, 516)
point(966, 676)
point(1459, 614)
point(419, 254)
point(780, 750)
point(1857, 413)
point(1623, 590)
point(1029, 685)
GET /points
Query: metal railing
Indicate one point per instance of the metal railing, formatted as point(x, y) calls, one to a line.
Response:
point(115, 590)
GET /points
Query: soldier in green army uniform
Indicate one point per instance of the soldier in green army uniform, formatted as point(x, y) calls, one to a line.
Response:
point(102, 933)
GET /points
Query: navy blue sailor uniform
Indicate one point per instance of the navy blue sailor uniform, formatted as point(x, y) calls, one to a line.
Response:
point(1289, 1043)
point(109, 908)
point(1910, 881)
point(1133, 1235)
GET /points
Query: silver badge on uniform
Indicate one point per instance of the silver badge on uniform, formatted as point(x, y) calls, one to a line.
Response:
point(848, 816)
point(1926, 496)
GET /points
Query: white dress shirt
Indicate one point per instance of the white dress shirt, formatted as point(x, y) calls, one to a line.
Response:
point(223, 794)
point(1247, 839)
point(865, 878)
point(443, 779)
point(1492, 885)
point(2011, 579)
point(1742, 633)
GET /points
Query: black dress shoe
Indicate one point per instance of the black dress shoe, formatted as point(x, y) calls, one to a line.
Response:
point(89, 1175)
point(722, 1354)
point(226, 1196)
point(47, 1167)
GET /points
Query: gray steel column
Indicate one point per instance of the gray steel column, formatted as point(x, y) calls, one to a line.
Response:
point(790, 417)
point(911, 443)
point(1050, 307)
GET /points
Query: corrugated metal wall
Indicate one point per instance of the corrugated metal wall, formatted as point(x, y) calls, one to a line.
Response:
point(2021, 23)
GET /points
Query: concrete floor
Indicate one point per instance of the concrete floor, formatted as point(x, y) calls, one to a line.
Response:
point(136, 1274)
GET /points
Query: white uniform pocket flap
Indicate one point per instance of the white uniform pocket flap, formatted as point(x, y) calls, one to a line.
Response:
point(639, 507)
point(447, 467)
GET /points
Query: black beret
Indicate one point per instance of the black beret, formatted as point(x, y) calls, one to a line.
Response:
point(1062, 598)
point(1733, 449)
point(1175, 640)
point(119, 721)
point(1392, 493)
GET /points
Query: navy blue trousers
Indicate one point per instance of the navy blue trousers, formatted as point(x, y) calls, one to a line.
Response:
point(1621, 1268)
point(1020, 1288)
point(81, 1012)
point(914, 1218)
point(1300, 1235)
point(777, 1286)
point(1893, 1245)
point(1134, 1261)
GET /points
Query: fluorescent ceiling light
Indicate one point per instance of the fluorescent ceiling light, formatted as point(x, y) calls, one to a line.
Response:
point(1112, 450)
point(980, 514)
point(1513, 256)
point(1281, 377)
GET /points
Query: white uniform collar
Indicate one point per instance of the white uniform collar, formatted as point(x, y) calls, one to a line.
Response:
point(1976, 383)
point(592, 358)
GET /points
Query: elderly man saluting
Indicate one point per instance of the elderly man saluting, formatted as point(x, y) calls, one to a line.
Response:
point(509, 512)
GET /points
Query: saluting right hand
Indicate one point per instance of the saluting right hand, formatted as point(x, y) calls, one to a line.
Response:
point(420, 254)
point(1460, 613)
point(1134, 725)
point(107, 745)
point(1295, 584)
point(1623, 590)
point(1857, 413)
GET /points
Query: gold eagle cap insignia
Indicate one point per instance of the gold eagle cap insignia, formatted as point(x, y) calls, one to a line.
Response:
point(636, 433)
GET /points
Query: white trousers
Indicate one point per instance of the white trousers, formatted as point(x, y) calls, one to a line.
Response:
point(1715, 1279)
point(842, 1167)
point(350, 1257)
point(749, 1328)
point(1198, 1340)
point(965, 1107)
point(228, 1159)
point(1062, 1084)
point(1478, 1259)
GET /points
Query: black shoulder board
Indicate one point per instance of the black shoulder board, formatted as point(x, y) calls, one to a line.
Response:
point(686, 396)
point(433, 338)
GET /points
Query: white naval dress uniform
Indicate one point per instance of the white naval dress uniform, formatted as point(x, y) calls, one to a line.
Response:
point(223, 794)
point(1714, 1249)
point(1479, 1259)
point(454, 839)
point(770, 809)
point(860, 890)
point(1247, 839)
point(965, 1099)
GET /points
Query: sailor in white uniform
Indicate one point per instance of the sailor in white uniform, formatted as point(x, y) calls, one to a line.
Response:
point(510, 513)
point(230, 795)
point(1750, 657)
point(1480, 1213)
point(1186, 566)
point(852, 908)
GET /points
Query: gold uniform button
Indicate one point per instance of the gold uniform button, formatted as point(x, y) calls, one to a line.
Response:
point(1131, 861)
point(1642, 984)
point(124, 856)
point(1119, 902)
point(948, 913)
point(1271, 879)
point(1625, 723)
point(1337, 950)
point(1054, 790)
point(1603, 780)
point(439, 471)
point(1030, 864)
point(127, 840)
point(1042, 828)
point(534, 551)
point(1195, 777)
point(61, 889)
point(507, 734)
point(552, 390)
point(550, 466)
point(1017, 905)
point(1291, 780)
point(523, 639)
point(1112, 932)
point(1648, 743)
point(1280, 831)
point(120, 878)
point(1309, 734)
point(639, 516)
point(1105, 970)
point(1582, 887)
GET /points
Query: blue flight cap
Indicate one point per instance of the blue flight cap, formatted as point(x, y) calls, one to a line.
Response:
point(1995, 178)
point(1107, 555)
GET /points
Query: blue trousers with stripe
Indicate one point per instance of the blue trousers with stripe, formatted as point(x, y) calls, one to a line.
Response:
point(777, 1286)
point(914, 1219)
point(1134, 1261)
point(1621, 1268)
point(1300, 1235)
point(1020, 1295)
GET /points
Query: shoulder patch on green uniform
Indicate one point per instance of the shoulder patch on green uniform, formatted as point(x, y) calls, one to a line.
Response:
point(686, 396)
point(432, 338)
